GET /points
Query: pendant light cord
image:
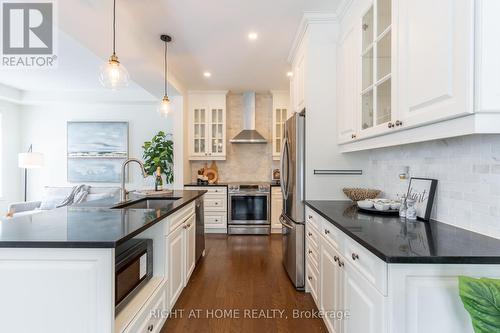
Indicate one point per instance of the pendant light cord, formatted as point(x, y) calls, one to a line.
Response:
point(114, 26)
point(165, 66)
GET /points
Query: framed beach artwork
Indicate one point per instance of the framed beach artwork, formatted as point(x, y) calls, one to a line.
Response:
point(96, 151)
point(423, 190)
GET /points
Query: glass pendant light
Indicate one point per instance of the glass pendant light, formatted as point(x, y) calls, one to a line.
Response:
point(165, 105)
point(113, 74)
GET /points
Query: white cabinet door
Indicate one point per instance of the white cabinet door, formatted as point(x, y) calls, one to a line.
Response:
point(217, 130)
point(190, 232)
point(176, 264)
point(199, 132)
point(276, 208)
point(365, 304)
point(347, 86)
point(436, 49)
point(331, 285)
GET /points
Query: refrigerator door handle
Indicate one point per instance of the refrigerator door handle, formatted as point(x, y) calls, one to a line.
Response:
point(286, 225)
point(285, 164)
point(282, 159)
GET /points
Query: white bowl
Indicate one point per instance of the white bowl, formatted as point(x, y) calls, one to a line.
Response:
point(382, 206)
point(395, 205)
point(365, 204)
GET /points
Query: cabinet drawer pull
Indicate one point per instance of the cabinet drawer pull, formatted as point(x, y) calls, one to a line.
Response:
point(310, 217)
point(341, 263)
point(310, 252)
point(309, 234)
point(353, 136)
point(150, 328)
point(327, 231)
point(399, 123)
point(335, 258)
point(309, 278)
point(390, 125)
point(354, 256)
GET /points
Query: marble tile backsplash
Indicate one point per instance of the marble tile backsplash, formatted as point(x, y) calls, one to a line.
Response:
point(468, 171)
point(245, 162)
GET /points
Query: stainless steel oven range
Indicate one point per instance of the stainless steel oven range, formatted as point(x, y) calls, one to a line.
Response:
point(249, 209)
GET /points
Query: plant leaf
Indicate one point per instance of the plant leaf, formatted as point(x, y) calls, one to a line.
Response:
point(481, 298)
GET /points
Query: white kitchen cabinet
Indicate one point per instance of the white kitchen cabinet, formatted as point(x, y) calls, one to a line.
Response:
point(365, 304)
point(276, 209)
point(280, 115)
point(215, 206)
point(436, 59)
point(207, 125)
point(298, 78)
point(190, 247)
point(440, 81)
point(176, 264)
point(331, 288)
point(348, 102)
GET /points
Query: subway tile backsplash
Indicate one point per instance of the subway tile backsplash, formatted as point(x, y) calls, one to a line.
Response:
point(468, 170)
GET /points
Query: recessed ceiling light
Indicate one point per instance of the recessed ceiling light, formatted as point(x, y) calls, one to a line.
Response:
point(289, 74)
point(207, 74)
point(253, 36)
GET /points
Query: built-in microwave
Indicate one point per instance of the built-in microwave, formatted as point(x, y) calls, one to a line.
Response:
point(133, 269)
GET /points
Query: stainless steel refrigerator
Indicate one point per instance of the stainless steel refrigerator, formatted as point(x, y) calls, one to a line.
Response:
point(293, 189)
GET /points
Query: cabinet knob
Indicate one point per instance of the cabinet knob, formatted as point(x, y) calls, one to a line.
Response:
point(399, 123)
point(390, 125)
point(310, 217)
point(309, 234)
point(327, 231)
point(150, 328)
point(353, 136)
point(309, 278)
point(310, 252)
point(341, 263)
point(354, 256)
point(335, 258)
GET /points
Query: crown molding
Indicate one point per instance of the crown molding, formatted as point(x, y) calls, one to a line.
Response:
point(317, 18)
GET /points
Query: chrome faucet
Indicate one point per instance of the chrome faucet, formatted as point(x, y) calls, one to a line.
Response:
point(123, 191)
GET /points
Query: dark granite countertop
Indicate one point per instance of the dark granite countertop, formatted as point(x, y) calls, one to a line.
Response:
point(399, 241)
point(89, 225)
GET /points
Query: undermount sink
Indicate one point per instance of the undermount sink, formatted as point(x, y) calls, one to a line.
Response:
point(146, 203)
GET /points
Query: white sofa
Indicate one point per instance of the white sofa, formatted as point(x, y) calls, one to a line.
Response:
point(53, 196)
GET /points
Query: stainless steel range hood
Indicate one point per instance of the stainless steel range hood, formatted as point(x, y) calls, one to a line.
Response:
point(248, 134)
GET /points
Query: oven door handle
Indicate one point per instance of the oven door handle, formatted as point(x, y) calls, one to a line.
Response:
point(286, 225)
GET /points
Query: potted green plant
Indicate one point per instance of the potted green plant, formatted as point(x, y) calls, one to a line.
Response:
point(481, 298)
point(159, 153)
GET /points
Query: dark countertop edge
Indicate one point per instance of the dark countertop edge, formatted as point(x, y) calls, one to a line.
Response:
point(96, 244)
point(473, 260)
point(209, 185)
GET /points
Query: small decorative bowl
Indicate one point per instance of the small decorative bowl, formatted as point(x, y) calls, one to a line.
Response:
point(365, 204)
point(382, 206)
point(395, 205)
point(360, 194)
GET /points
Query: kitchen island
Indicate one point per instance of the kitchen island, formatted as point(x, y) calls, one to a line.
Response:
point(57, 268)
point(391, 274)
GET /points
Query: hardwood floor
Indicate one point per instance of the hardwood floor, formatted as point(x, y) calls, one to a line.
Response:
point(237, 275)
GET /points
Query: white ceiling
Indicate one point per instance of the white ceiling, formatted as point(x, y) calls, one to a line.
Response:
point(207, 36)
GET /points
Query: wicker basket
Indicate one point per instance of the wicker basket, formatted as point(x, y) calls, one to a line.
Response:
point(359, 194)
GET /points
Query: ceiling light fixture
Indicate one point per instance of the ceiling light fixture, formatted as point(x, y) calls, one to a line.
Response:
point(207, 74)
point(289, 74)
point(253, 36)
point(113, 74)
point(165, 106)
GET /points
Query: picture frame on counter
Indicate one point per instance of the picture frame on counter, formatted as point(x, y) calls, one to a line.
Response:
point(423, 191)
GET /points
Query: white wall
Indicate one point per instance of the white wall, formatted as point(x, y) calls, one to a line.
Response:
point(322, 151)
point(45, 127)
point(10, 144)
point(468, 171)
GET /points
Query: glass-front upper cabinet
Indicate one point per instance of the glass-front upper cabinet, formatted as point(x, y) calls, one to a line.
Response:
point(281, 105)
point(207, 127)
point(375, 96)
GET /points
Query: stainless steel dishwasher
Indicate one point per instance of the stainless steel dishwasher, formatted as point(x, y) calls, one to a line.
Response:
point(200, 229)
